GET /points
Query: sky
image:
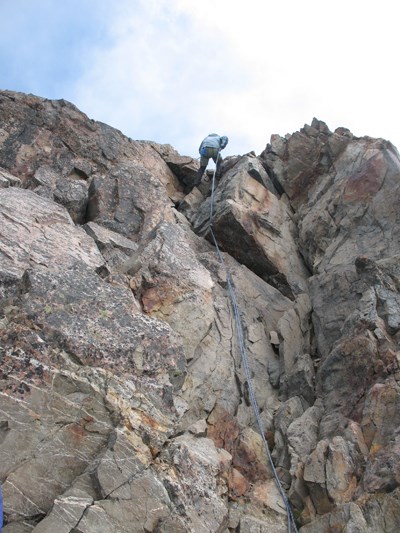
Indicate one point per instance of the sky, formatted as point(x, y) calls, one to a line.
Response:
point(172, 71)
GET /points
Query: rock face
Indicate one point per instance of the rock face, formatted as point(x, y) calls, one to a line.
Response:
point(123, 402)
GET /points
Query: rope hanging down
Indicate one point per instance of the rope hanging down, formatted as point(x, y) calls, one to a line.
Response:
point(245, 362)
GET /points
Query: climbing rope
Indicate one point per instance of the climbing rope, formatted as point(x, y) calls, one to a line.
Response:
point(245, 362)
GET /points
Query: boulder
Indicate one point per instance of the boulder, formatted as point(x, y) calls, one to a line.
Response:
point(8, 180)
point(252, 225)
point(129, 201)
point(183, 167)
point(114, 247)
point(36, 231)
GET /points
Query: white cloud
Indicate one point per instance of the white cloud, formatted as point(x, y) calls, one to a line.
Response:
point(157, 78)
point(179, 69)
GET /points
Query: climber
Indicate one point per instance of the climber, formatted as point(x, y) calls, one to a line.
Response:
point(210, 148)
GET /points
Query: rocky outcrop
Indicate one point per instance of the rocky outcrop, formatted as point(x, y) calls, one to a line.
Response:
point(123, 401)
point(36, 231)
point(344, 192)
point(255, 227)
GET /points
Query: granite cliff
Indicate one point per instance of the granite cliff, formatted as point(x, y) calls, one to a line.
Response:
point(123, 402)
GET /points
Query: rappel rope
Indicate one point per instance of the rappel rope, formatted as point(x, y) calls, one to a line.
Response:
point(245, 362)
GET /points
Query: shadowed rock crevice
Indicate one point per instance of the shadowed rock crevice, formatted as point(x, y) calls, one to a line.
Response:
point(245, 251)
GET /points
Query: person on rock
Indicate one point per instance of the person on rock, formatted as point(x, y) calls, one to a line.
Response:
point(210, 147)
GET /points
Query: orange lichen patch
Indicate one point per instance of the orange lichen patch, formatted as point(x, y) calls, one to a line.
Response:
point(223, 429)
point(245, 448)
point(133, 284)
point(367, 181)
point(270, 439)
point(151, 300)
point(358, 346)
point(249, 461)
point(347, 495)
point(381, 407)
point(150, 421)
point(267, 495)
point(34, 416)
point(375, 448)
point(137, 419)
point(237, 484)
point(77, 431)
point(301, 184)
point(389, 360)
point(158, 298)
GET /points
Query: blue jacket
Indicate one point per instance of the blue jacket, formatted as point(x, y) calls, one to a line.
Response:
point(214, 141)
point(211, 141)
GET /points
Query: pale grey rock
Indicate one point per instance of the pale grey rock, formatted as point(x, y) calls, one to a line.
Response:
point(114, 247)
point(255, 228)
point(274, 338)
point(96, 520)
point(45, 176)
point(172, 285)
point(315, 477)
point(200, 465)
point(38, 461)
point(98, 324)
point(117, 468)
point(348, 517)
point(128, 200)
point(302, 434)
point(73, 195)
point(198, 428)
point(341, 471)
point(24, 526)
point(8, 180)
point(36, 231)
point(144, 506)
point(382, 512)
point(64, 516)
point(183, 167)
point(249, 524)
point(297, 372)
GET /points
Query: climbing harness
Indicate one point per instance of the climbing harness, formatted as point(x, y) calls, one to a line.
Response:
point(245, 362)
